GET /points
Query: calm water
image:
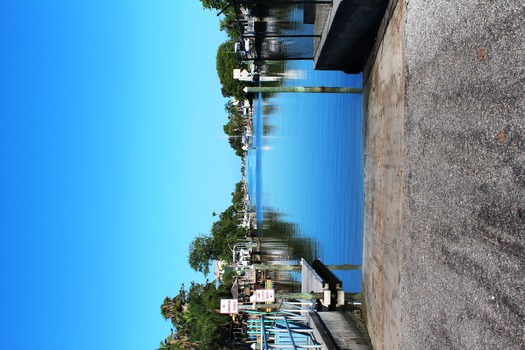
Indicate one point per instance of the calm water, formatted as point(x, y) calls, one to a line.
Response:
point(310, 167)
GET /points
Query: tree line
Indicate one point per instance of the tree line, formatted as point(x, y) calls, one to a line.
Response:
point(193, 312)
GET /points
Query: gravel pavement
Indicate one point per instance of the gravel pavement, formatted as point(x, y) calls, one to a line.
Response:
point(444, 253)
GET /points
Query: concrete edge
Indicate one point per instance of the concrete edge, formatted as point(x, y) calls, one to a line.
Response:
point(360, 326)
point(379, 39)
point(321, 333)
point(324, 33)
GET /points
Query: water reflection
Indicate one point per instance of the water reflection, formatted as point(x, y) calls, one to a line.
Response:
point(305, 166)
point(276, 227)
point(282, 244)
point(278, 31)
point(306, 171)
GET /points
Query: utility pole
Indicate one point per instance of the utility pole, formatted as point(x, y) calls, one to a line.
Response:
point(317, 89)
point(289, 267)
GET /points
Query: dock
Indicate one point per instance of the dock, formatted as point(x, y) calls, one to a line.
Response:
point(347, 29)
point(311, 281)
point(333, 329)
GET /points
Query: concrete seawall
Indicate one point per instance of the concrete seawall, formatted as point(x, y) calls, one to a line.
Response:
point(444, 245)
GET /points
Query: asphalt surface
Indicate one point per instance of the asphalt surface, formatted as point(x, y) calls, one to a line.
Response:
point(444, 254)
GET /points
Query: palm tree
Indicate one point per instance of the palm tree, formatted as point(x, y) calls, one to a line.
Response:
point(175, 308)
point(174, 342)
point(167, 308)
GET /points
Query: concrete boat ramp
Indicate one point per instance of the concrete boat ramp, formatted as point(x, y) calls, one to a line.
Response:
point(444, 242)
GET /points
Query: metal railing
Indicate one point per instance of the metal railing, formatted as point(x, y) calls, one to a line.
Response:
point(288, 328)
point(286, 334)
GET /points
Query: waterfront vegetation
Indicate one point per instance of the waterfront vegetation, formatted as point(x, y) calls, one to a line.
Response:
point(206, 248)
point(234, 128)
point(227, 60)
point(194, 312)
point(224, 233)
point(197, 324)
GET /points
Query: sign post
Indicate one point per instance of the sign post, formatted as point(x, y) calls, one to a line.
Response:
point(229, 306)
point(264, 295)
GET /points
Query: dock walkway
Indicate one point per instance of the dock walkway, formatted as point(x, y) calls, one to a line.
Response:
point(334, 329)
point(310, 280)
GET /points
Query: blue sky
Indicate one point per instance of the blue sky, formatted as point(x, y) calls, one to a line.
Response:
point(112, 161)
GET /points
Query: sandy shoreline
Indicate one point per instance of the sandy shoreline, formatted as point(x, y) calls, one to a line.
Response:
point(444, 241)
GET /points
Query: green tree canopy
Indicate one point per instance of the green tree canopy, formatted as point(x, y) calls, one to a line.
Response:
point(176, 342)
point(193, 314)
point(234, 128)
point(226, 62)
point(201, 252)
point(224, 233)
point(229, 25)
point(238, 194)
point(215, 4)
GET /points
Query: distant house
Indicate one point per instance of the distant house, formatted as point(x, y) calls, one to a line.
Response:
point(218, 269)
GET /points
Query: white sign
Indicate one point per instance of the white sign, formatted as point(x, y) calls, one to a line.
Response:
point(265, 295)
point(229, 306)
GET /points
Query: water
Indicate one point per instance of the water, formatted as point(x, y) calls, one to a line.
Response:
point(310, 167)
